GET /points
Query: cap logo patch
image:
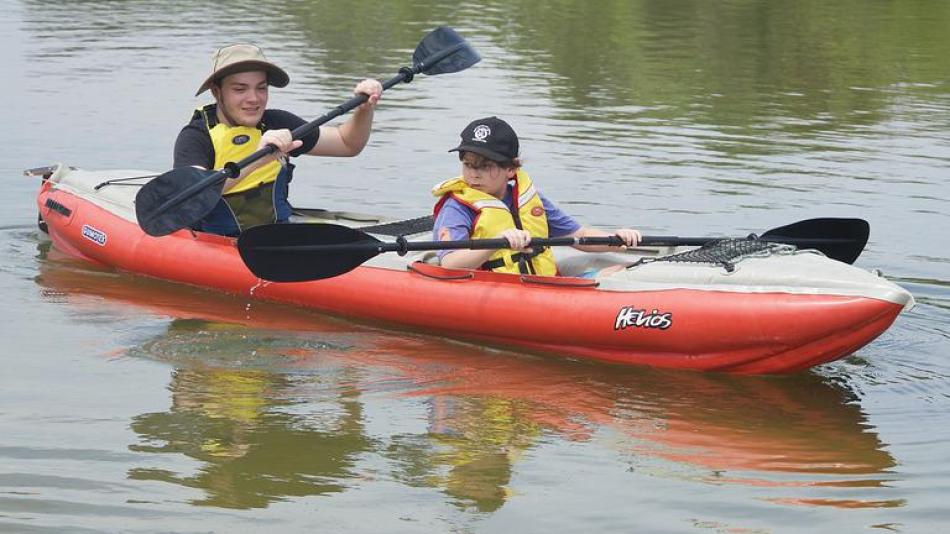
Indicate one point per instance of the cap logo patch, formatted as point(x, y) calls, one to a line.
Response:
point(480, 133)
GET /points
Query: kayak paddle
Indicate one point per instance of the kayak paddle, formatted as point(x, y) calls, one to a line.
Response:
point(300, 252)
point(181, 197)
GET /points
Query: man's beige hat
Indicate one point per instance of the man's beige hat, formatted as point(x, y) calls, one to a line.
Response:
point(242, 58)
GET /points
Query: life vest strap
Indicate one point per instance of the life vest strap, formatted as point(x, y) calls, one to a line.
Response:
point(516, 257)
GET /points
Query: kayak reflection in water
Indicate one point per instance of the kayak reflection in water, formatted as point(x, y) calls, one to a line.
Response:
point(495, 198)
point(239, 123)
point(269, 414)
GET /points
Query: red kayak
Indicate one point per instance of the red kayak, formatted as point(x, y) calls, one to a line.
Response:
point(778, 311)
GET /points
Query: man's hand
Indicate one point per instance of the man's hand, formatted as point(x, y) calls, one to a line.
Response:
point(371, 88)
point(282, 139)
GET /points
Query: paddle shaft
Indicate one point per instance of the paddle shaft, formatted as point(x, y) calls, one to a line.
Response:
point(402, 245)
point(300, 252)
point(233, 169)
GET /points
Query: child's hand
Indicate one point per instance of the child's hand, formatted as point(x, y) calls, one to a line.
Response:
point(630, 236)
point(518, 239)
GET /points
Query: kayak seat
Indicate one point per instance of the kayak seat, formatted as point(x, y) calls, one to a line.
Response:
point(582, 262)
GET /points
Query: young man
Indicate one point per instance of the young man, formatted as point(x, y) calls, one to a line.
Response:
point(239, 123)
point(482, 204)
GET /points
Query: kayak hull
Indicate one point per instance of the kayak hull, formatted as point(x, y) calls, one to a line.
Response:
point(709, 329)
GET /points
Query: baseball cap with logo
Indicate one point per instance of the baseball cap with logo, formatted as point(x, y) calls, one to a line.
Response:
point(236, 58)
point(490, 137)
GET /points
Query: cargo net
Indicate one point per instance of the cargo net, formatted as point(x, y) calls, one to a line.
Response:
point(725, 252)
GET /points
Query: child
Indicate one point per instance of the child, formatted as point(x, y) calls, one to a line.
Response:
point(494, 198)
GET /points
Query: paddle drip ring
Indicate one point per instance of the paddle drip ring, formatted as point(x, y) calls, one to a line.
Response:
point(407, 74)
point(402, 245)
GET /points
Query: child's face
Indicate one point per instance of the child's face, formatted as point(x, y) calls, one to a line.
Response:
point(485, 175)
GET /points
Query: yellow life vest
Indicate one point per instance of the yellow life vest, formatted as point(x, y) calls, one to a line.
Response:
point(250, 199)
point(234, 143)
point(493, 217)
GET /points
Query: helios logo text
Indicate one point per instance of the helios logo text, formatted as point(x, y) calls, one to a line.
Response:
point(631, 317)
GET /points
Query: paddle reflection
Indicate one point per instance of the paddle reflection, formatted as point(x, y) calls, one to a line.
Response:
point(271, 401)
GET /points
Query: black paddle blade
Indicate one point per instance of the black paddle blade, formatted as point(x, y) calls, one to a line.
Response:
point(441, 40)
point(157, 218)
point(839, 239)
point(300, 252)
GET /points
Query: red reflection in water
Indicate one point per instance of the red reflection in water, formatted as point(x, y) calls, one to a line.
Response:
point(795, 431)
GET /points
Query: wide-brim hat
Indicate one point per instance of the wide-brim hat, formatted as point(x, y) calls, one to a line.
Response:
point(237, 58)
point(490, 137)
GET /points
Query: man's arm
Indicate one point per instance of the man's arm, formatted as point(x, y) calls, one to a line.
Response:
point(349, 138)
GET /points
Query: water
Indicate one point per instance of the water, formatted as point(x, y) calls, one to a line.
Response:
point(133, 405)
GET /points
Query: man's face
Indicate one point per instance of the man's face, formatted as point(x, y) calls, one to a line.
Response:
point(242, 97)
